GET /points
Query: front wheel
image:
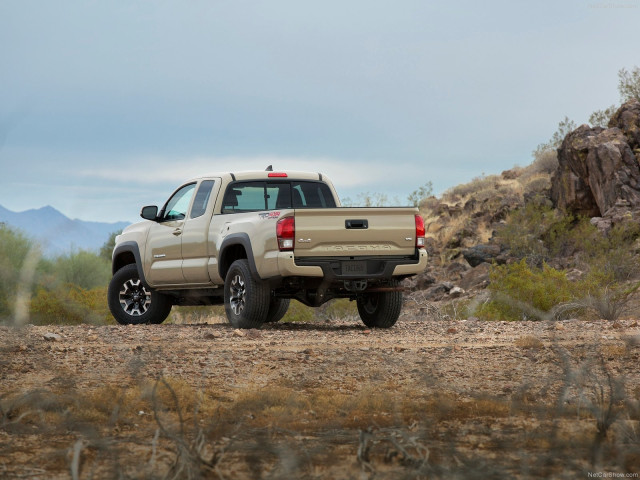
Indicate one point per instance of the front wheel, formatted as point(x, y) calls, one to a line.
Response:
point(246, 300)
point(131, 302)
point(380, 309)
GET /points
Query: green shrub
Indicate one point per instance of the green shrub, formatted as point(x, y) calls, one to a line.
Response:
point(539, 233)
point(520, 292)
point(84, 269)
point(524, 231)
point(15, 248)
point(70, 305)
point(613, 254)
point(299, 313)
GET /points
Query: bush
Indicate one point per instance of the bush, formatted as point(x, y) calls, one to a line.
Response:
point(613, 254)
point(519, 292)
point(15, 249)
point(299, 313)
point(473, 189)
point(540, 233)
point(608, 303)
point(70, 305)
point(545, 161)
point(84, 269)
point(527, 228)
point(68, 289)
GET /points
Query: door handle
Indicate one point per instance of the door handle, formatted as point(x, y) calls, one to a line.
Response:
point(359, 224)
point(177, 232)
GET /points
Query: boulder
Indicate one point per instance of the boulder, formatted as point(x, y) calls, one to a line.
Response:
point(597, 168)
point(484, 253)
point(438, 291)
point(477, 277)
point(455, 270)
point(424, 281)
point(456, 292)
point(627, 119)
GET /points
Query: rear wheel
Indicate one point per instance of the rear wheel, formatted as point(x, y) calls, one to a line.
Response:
point(380, 309)
point(131, 302)
point(277, 309)
point(246, 300)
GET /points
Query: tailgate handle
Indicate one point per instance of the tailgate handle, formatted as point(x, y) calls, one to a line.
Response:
point(361, 224)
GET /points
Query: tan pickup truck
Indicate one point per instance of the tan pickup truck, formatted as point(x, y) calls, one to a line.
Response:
point(254, 240)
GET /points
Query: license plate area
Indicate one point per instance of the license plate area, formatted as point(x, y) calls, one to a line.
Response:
point(354, 267)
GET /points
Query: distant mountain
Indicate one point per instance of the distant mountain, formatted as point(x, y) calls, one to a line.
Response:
point(58, 234)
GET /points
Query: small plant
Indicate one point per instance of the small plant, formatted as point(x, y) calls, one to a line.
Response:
point(418, 196)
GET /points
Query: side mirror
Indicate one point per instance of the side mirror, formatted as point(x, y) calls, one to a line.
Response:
point(149, 212)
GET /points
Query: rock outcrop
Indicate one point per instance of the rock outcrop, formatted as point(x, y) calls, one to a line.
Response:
point(598, 168)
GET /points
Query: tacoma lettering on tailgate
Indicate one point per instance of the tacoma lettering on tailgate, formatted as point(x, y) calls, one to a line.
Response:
point(357, 248)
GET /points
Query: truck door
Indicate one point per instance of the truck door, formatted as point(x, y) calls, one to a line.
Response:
point(165, 239)
point(197, 251)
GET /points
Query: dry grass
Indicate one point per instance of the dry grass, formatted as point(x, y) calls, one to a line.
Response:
point(169, 429)
point(580, 417)
point(529, 342)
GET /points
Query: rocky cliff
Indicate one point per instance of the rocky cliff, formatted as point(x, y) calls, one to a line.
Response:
point(598, 171)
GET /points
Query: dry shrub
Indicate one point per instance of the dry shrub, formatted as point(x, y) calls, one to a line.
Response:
point(535, 184)
point(613, 351)
point(474, 188)
point(545, 162)
point(212, 315)
point(319, 408)
point(609, 302)
point(70, 305)
point(529, 342)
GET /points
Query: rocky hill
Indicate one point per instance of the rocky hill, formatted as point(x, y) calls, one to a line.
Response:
point(595, 174)
point(598, 173)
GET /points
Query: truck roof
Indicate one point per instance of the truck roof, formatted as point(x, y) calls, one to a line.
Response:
point(266, 175)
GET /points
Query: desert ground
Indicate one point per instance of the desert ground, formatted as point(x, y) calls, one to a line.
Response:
point(431, 397)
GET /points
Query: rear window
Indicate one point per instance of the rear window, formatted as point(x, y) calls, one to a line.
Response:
point(243, 197)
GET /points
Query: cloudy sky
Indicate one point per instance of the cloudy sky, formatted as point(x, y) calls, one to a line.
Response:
point(107, 106)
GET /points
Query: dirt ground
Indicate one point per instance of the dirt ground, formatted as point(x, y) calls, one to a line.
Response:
point(429, 398)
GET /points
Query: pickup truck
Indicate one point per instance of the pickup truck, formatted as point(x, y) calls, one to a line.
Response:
point(254, 240)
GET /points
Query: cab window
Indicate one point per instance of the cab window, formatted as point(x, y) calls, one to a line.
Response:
point(177, 206)
point(242, 197)
point(311, 195)
point(201, 200)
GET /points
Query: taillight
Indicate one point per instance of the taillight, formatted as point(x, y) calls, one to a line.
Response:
point(285, 232)
point(420, 232)
point(277, 175)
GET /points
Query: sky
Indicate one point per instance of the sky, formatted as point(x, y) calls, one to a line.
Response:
point(109, 106)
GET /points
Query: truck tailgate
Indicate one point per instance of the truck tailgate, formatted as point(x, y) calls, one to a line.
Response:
point(331, 232)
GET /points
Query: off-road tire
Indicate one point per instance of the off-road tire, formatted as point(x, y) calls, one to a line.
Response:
point(380, 309)
point(246, 300)
point(131, 302)
point(277, 309)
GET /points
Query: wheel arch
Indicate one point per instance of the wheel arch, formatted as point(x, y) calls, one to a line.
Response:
point(127, 253)
point(235, 247)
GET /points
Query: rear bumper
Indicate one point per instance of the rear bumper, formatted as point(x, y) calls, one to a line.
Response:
point(377, 267)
